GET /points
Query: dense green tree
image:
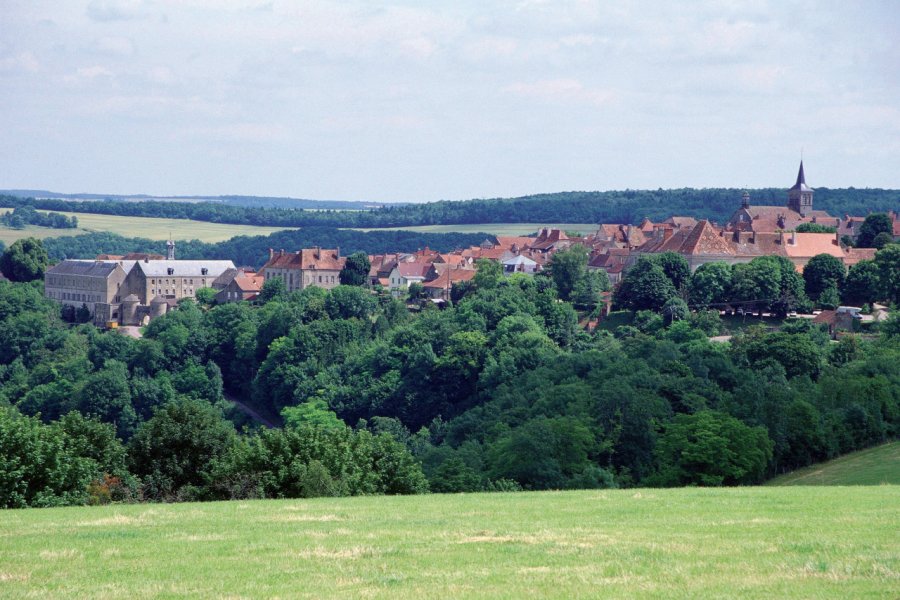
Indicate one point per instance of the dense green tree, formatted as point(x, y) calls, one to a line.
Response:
point(814, 228)
point(711, 449)
point(644, 287)
point(488, 273)
point(862, 285)
point(25, 260)
point(206, 296)
point(882, 239)
point(567, 268)
point(675, 266)
point(709, 284)
point(348, 302)
point(874, 224)
point(588, 289)
point(173, 451)
point(37, 466)
point(356, 269)
point(272, 289)
point(821, 272)
point(888, 262)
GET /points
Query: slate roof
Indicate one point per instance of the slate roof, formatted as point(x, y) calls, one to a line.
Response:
point(184, 268)
point(801, 181)
point(87, 268)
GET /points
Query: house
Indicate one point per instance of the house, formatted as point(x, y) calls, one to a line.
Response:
point(549, 240)
point(243, 286)
point(441, 286)
point(93, 283)
point(172, 279)
point(520, 264)
point(317, 267)
point(613, 261)
point(842, 319)
point(405, 274)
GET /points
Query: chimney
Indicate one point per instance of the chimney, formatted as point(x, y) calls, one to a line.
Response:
point(794, 238)
point(667, 233)
point(753, 237)
point(781, 237)
point(837, 238)
point(282, 252)
point(338, 252)
point(271, 253)
point(318, 252)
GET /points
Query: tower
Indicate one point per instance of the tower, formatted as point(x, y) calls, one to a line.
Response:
point(800, 197)
point(170, 250)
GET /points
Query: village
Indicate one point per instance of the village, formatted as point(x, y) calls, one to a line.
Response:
point(132, 289)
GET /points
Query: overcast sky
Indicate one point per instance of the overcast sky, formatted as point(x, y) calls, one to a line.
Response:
point(447, 99)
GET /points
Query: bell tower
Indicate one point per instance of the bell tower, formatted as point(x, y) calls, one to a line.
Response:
point(170, 250)
point(800, 197)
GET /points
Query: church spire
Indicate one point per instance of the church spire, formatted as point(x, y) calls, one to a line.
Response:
point(800, 197)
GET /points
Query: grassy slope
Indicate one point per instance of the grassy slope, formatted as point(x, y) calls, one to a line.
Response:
point(827, 542)
point(155, 229)
point(875, 466)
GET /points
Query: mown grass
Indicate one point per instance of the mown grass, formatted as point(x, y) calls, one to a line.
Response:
point(145, 227)
point(875, 466)
point(827, 542)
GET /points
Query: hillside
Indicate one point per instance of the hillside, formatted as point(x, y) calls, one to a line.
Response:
point(875, 466)
point(748, 542)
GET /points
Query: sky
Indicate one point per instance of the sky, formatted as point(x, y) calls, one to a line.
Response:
point(421, 101)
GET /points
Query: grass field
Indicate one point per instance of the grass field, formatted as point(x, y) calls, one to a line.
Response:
point(826, 542)
point(146, 227)
point(498, 228)
point(875, 466)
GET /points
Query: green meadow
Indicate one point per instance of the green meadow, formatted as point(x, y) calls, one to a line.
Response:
point(873, 466)
point(792, 542)
point(145, 227)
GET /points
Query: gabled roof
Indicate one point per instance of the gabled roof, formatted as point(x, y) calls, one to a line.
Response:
point(248, 282)
point(184, 268)
point(414, 270)
point(307, 259)
point(704, 239)
point(508, 241)
point(519, 260)
point(449, 277)
point(87, 268)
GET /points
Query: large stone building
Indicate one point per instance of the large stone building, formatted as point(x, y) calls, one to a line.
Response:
point(317, 267)
point(92, 283)
point(130, 292)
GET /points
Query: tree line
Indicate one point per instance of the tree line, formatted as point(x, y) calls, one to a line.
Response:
point(623, 206)
point(503, 390)
point(25, 214)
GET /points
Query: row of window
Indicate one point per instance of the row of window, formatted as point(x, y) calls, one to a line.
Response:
point(73, 297)
point(176, 281)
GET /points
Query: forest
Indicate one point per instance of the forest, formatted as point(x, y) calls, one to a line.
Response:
point(627, 206)
point(253, 251)
point(24, 215)
point(504, 390)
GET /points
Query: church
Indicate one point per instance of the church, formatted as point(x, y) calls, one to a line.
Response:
point(769, 219)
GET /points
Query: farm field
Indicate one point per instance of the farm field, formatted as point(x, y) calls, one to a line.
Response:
point(496, 228)
point(146, 227)
point(824, 542)
point(873, 466)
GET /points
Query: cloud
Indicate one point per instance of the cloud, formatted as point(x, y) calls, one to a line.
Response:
point(88, 74)
point(106, 11)
point(115, 45)
point(561, 90)
point(22, 62)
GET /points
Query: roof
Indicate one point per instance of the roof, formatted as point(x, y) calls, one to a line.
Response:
point(86, 268)
point(449, 277)
point(705, 239)
point(802, 245)
point(801, 181)
point(307, 259)
point(826, 316)
point(508, 241)
point(248, 282)
point(854, 255)
point(184, 268)
point(519, 260)
point(414, 269)
point(681, 221)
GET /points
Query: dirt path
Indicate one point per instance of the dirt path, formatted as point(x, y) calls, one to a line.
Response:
point(270, 421)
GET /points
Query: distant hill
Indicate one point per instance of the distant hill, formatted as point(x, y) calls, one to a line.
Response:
point(233, 200)
point(875, 466)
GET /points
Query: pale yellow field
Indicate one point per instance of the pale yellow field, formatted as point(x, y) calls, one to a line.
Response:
point(145, 227)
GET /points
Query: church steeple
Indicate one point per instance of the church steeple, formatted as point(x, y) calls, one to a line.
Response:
point(800, 197)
